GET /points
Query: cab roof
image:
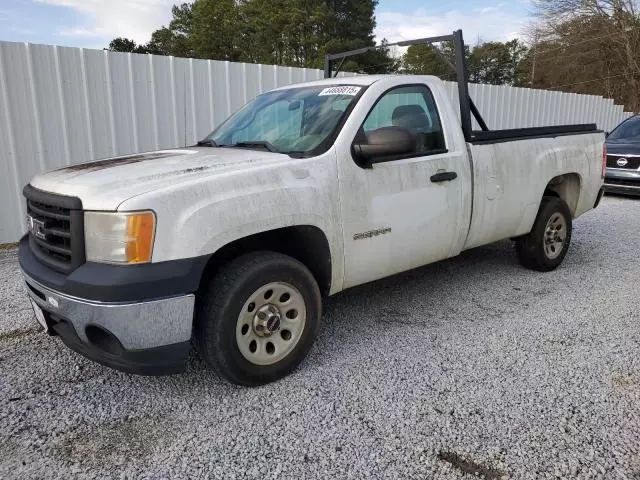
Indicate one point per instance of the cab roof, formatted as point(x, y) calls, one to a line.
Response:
point(364, 80)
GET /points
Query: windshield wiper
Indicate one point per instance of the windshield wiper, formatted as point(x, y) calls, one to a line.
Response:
point(297, 154)
point(256, 143)
point(207, 143)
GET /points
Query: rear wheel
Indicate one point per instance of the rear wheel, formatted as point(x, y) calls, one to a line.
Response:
point(545, 247)
point(257, 319)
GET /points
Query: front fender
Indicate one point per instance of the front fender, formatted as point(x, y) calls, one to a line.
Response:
point(204, 216)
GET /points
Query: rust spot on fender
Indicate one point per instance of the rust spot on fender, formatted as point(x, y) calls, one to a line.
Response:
point(115, 162)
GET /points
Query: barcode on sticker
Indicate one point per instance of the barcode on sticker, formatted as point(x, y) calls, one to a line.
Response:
point(343, 90)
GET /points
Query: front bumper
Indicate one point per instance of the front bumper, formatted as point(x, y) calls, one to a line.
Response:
point(134, 332)
point(150, 338)
point(618, 180)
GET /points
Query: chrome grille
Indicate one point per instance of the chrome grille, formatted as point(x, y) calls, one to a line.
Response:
point(50, 229)
point(55, 225)
point(633, 163)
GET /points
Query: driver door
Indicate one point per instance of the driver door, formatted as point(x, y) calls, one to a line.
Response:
point(398, 214)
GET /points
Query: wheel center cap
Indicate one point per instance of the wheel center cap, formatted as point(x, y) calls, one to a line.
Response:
point(273, 324)
point(266, 320)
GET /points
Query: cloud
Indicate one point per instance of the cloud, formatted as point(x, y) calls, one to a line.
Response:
point(135, 19)
point(484, 23)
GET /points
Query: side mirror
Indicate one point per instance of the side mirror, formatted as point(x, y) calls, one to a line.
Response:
point(384, 142)
point(606, 134)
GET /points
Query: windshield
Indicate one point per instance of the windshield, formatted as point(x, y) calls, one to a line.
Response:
point(293, 121)
point(628, 131)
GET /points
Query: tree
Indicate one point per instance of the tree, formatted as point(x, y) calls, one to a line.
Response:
point(589, 46)
point(214, 29)
point(127, 45)
point(122, 45)
point(492, 62)
point(427, 59)
point(282, 32)
point(175, 39)
point(496, 63)
point(278, 31)
point(349, 26)
point(163, 42)
point(300, 32)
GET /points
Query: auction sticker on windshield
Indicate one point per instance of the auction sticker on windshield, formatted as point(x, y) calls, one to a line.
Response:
point(343, 90)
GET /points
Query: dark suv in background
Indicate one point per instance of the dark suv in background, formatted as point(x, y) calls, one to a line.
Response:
point(623, 158)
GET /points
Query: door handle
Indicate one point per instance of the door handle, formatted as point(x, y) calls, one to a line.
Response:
point(444, 177)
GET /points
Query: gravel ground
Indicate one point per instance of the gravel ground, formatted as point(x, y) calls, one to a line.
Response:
point(469, 365)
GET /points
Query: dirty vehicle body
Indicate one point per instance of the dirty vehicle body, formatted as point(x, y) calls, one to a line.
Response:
point(623, 158)
point(310, 189)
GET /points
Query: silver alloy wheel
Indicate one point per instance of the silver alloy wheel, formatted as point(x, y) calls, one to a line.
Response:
point(555, 235)
point(271, 323)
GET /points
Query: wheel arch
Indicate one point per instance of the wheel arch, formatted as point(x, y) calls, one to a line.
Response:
point(306, 243)
point(568, 187)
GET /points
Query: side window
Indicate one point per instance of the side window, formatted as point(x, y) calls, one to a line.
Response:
point(413, 108)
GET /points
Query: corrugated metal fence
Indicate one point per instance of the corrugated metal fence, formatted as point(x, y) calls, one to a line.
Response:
point(62, 105)
point(512, 107)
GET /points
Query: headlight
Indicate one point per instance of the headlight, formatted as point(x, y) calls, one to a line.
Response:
point(117, 237)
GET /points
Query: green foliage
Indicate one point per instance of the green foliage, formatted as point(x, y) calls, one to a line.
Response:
point(214, 27)
point(281, 32)
point(127, 45)
point(430, 60)
point(122, 45)
point(495, 63)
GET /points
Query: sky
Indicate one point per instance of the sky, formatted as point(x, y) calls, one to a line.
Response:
point(94, 23)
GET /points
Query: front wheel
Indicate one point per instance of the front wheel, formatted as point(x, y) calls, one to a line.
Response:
point(257, 319)
point(546, 246)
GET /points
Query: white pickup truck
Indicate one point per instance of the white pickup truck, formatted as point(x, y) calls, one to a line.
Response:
point(310, 189)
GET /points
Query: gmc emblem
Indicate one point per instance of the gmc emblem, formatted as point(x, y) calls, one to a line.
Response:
point(36, 227)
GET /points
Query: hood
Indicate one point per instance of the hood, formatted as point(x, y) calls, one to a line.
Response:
point(105, 184)
point(623, 147)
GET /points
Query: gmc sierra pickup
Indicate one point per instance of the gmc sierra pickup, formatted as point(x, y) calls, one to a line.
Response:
point(310, 189)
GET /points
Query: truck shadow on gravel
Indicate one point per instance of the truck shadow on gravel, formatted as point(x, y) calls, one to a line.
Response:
point(482, 285)
point(428, 295)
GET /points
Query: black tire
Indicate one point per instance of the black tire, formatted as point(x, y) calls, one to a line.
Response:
point(219, 305)
point(531, 248)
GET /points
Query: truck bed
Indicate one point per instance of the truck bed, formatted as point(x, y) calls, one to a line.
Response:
point(512, 168)
point(481, 137)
